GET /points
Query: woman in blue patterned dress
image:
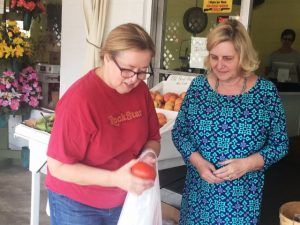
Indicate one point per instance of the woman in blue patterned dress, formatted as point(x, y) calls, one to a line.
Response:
point(229, 130)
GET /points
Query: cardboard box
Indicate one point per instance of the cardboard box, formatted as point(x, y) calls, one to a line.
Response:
point(170, 214)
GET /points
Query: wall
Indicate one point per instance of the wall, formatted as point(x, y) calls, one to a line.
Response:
point(268, 21)
point(72, 43)
point(73, 32)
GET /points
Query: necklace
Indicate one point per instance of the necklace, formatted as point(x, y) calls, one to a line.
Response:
point(243, 88)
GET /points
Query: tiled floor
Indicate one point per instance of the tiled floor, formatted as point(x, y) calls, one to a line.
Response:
point(15, 190)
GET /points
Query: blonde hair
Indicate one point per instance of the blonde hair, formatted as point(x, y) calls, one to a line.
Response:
point(124, 37)
point(235, 32)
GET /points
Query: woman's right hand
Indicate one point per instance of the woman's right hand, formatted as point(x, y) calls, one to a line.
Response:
point(204, 168)
point(128, 182)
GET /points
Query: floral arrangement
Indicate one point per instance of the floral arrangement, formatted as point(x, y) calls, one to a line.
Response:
point(19, 95)
point(10, 98)
point(34, 7)
point(13, 42)
point(29, 87)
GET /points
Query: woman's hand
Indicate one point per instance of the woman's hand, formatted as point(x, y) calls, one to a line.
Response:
point(232, 169)
point(128, 182)
point(204, 168)
point(236, 168)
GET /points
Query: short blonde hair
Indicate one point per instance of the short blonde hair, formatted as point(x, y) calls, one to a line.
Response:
point(235, 32)
point(124, 37)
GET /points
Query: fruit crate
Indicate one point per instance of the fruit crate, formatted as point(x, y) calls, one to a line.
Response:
point(174, 83)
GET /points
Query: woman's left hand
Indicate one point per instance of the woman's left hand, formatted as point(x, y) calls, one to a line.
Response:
point(232, 169)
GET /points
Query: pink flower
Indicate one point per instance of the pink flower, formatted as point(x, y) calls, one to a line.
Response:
point(29, 6)
point(29, 87)
point(32, 76)
point(13, 3)
point(10, 96)
point(5, 103)
point(34, 6)
point(8, 73)
point(21, 3)
point(21, 79)
point(15, 103)
point(2, 87)
point(15, 84)
point(26, 88)
point(8, 85)
point(33, 102)
point(35, 84)
point(41, 6)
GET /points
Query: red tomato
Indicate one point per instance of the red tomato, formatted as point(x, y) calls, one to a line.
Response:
point(143, 170)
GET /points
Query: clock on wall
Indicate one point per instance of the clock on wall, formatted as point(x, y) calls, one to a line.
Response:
point(195, 20)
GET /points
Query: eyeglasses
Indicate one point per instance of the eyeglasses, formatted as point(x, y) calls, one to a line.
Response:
point(287, 39)
point(127, 73)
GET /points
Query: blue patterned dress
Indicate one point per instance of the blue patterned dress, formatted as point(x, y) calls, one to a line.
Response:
point(223, 127)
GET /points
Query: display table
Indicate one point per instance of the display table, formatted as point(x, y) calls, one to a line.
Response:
point(38, 142)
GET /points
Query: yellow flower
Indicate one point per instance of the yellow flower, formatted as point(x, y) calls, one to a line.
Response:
point(12, 23)
point(16, 30)
point(18, 41)
point(10, 51)
point(10, 34)
point(1, 53)
point(19, 51)
point(2, 48)
point(13, 42)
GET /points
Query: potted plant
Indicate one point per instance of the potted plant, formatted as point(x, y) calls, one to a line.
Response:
point(15, 46)
point(30, 89)
point(29, 8)
point(10, 97)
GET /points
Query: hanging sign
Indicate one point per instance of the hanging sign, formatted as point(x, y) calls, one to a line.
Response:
point(217, 6)
point(2, 6)
point(198, 52)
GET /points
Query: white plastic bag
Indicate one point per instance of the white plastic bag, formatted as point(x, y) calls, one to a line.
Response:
point(144, 209)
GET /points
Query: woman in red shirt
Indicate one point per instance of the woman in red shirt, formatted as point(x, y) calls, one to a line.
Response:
point(104, 121)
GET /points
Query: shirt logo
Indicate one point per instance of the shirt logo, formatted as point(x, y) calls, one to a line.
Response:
point(123, 117)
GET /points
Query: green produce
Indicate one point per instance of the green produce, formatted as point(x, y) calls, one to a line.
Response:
point(45, 123)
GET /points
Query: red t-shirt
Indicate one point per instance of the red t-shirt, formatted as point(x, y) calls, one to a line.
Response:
point(97, 126)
